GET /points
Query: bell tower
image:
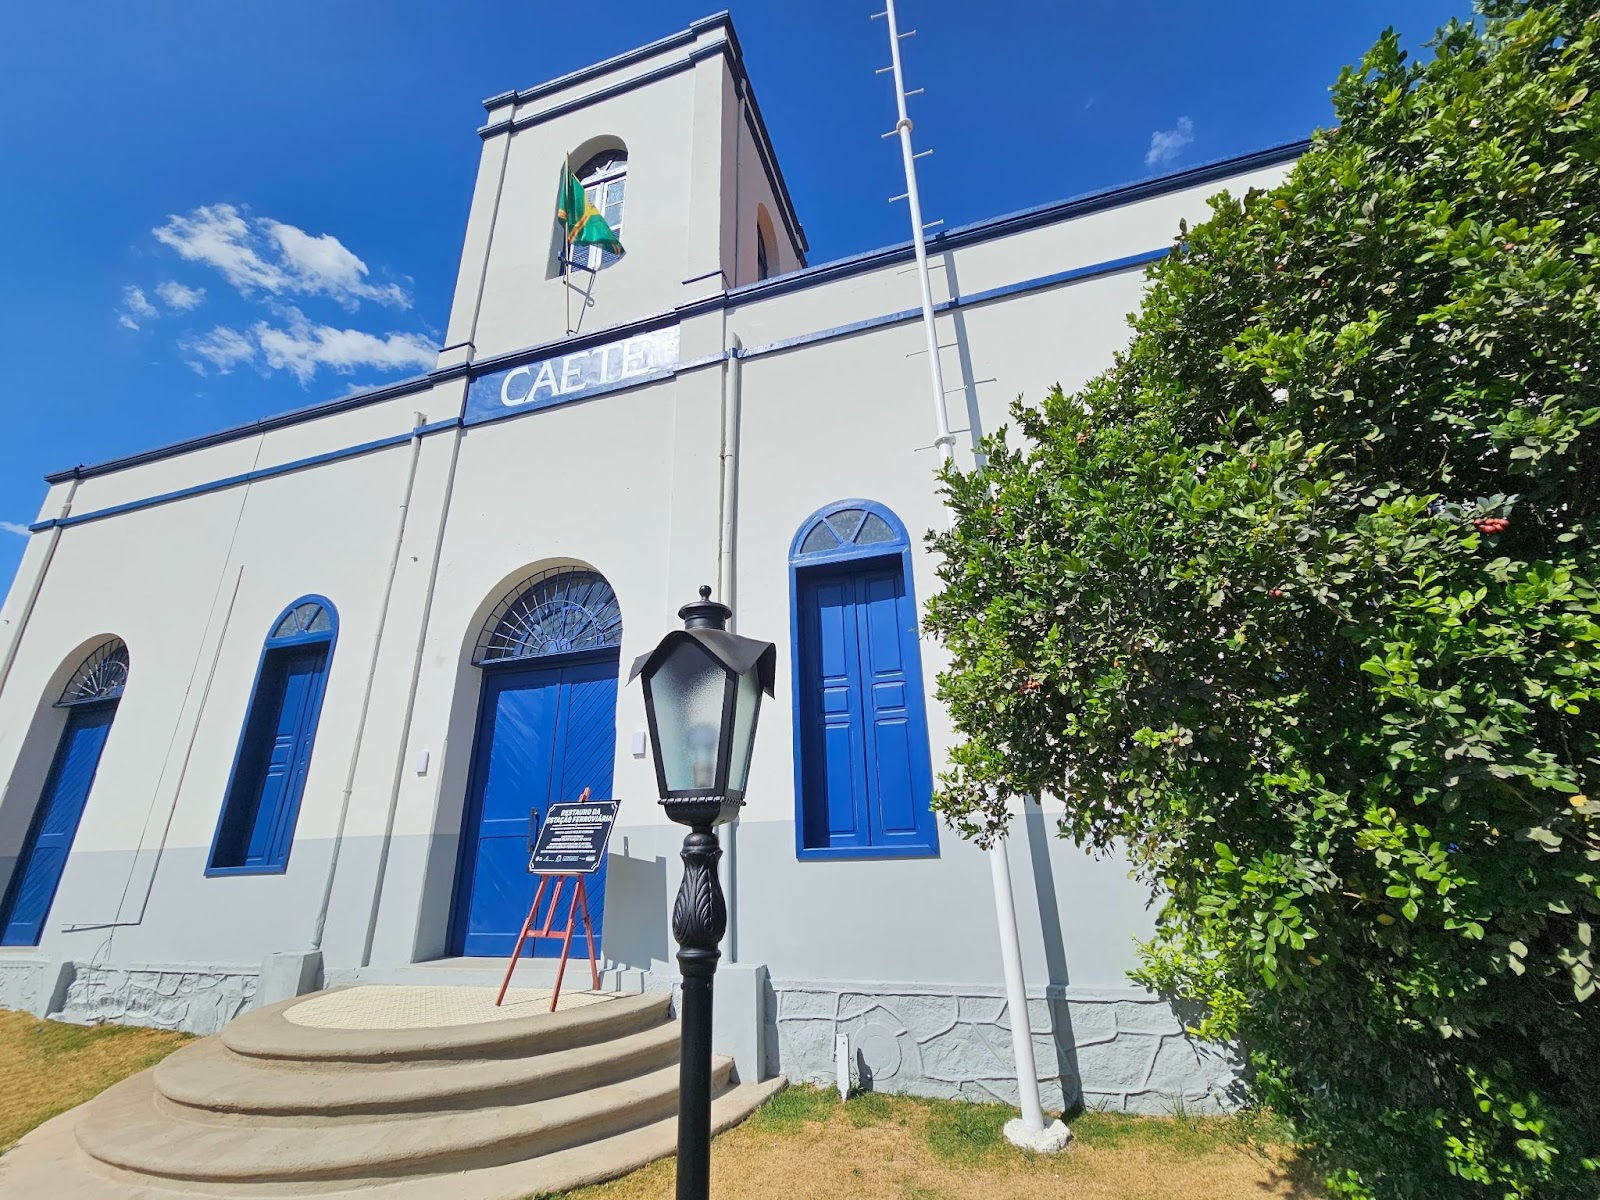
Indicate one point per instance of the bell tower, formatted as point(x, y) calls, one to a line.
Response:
point(671, 148)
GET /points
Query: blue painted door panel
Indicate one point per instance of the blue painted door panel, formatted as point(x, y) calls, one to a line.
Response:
point(55, 824)
point(864, 754)
point(544, 734)
point(276, 757)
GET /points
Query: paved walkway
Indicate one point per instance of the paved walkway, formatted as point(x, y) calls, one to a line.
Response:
point(394, 1006)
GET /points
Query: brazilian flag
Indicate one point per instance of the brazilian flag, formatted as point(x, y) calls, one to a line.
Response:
point(582, 220)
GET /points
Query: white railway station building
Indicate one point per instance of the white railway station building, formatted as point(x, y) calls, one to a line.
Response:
point(276, 703)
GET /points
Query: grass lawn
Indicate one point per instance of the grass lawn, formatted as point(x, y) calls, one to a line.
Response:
point(47, 1067)
point(805, 1145)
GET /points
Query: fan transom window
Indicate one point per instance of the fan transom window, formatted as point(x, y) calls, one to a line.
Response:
point(102, 676)
point(563, 611)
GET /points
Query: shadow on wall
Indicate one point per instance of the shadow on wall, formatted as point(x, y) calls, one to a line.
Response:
point(1055, 952)
point(635, 934)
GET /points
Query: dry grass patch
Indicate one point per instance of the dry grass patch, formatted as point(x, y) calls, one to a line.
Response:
point(805, 1145)
point(47, 1067)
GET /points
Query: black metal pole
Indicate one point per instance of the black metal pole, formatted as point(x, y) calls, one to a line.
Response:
point(699, 919)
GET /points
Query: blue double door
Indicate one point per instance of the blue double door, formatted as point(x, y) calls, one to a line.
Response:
point(55, 823)
point(545, 733)
point(866, 777)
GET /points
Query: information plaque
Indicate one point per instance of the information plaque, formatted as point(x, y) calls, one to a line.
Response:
point(572, 840)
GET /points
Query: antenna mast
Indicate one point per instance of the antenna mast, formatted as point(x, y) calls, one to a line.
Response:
point(1030, 1131)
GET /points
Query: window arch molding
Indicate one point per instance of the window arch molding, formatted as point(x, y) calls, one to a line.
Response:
point(855, 556)
point(554, 611)
point(261, 805)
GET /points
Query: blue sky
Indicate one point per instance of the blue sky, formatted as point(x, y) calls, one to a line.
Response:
point(213, 212)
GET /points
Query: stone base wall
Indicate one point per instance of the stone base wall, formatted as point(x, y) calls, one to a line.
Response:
point(188, 997)
point(1116, 1049)
point(21, 981)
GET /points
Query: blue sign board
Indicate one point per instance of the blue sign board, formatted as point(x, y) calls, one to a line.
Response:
point(563, 378)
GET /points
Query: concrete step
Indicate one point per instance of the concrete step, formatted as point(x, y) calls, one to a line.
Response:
point(266, 1033)
point(212, 1083)
point(47, 1163)
point(283, 1105)
point(129, 1129)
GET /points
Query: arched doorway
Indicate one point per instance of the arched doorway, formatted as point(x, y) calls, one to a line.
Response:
point(90, 699)
point(547, 729)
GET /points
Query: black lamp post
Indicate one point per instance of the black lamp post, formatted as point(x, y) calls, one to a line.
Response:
point(702, 693)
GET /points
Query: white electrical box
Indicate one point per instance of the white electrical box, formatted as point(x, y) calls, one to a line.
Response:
point(636, 743)
point(422, 762)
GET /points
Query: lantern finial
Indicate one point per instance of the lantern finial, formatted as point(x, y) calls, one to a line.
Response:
point(705, 613)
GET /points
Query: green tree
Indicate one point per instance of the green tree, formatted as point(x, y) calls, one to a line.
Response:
point(1297, 606)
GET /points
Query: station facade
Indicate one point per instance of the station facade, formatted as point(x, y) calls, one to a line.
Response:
point(276, 703)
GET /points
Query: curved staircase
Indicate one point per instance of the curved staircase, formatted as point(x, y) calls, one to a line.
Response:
point(495, 1110)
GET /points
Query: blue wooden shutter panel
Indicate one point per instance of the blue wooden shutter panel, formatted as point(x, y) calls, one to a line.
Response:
point(863, 770)
point(255, 830)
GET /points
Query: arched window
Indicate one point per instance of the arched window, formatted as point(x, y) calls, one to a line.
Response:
point(863, 774)
point(558, 611)
point(605, 180)
point(90, 699)
point(262, 804)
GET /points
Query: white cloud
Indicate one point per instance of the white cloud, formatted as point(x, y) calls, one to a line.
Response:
point(218, 236)
point(133, 299)
point(323, 264)
point(126, 321)
point(1167, 144)
point(223, 348)
point(13, 527)
point(179, 298)
point(303, 347)
point(259, 253)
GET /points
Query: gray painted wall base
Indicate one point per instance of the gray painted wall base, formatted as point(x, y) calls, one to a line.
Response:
point(287, 974)
point(1117, 1049)
point(738, 1019)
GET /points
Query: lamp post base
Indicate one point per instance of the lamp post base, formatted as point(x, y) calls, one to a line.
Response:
point(699, 921)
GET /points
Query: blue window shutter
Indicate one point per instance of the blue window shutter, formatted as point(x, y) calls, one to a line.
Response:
point(255, 829)
point(863, 771)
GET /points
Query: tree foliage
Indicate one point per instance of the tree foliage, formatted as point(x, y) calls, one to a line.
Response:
point(1297, 606)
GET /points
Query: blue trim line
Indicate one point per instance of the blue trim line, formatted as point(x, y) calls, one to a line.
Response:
point(294, 416)
point(777, 285)
point(217, 485)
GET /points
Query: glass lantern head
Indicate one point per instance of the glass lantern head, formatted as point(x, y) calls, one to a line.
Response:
point(702, 695)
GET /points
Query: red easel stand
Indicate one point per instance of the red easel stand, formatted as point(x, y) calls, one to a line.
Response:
point(580, 901)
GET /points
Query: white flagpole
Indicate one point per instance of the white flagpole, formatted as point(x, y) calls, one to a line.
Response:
point(566, 249)
point(1033, 1132)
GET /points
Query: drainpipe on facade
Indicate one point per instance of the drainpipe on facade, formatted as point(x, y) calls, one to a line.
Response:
point(1031, 1130)
point(418, 420)
point(411, 701)
point(728, 496)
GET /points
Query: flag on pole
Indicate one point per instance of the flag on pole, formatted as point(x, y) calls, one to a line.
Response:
point(582, 220)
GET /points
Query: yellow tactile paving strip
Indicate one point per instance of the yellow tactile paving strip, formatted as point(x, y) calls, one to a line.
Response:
point(397, 1006)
